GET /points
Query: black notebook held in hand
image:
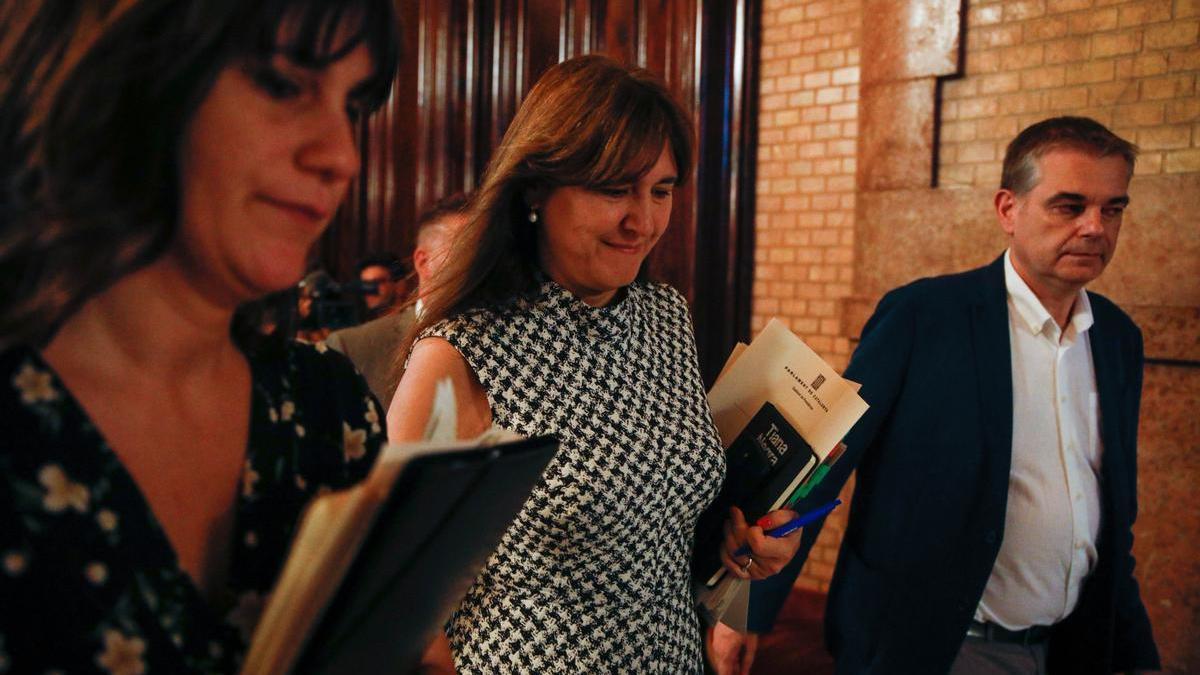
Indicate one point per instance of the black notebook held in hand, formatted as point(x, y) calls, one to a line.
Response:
point(374, 571)
point(764, 465)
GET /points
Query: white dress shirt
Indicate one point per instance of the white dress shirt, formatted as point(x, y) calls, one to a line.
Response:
point(1053, 514)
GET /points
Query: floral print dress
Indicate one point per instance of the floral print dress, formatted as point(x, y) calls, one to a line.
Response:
point(88, 579)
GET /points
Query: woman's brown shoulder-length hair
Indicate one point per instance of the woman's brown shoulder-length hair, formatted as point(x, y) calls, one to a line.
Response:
point(589, 121)
point(95, 98)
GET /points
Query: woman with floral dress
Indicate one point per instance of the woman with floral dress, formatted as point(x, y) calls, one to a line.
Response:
point(162, 162)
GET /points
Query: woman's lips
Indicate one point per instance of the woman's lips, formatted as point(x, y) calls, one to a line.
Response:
point(625, 248)
point(305, 212)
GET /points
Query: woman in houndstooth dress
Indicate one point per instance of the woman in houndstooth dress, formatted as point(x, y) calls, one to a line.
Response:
point(545, 326)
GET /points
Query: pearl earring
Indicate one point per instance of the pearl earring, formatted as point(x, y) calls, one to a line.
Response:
point(533, 217)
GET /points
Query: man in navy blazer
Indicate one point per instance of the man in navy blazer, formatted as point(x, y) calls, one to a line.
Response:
point(990, 530)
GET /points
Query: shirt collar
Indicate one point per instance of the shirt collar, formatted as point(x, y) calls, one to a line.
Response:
point(1033, 314)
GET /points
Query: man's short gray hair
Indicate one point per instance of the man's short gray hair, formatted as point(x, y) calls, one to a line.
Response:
point(1020, 171)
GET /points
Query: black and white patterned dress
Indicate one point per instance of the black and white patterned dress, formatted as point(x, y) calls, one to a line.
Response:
point(593, 575)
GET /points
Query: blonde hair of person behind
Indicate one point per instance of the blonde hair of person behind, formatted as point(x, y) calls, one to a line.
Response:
point(589, 121)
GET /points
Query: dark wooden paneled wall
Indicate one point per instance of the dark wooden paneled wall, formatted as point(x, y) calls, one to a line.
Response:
point(466, 66)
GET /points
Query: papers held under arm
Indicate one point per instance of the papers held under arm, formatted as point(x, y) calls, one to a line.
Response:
point(781, 412)
point(778, 367)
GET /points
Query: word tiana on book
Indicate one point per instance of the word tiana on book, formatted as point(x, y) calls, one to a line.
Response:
point(770, 439)
point(781, 411)
point(764, 465)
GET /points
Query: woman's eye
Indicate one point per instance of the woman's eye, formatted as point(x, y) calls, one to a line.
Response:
point(275, 84)
point(354, 111)
point(613, 191)
point(663, 193)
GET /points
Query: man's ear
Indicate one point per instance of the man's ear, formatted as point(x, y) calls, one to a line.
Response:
point(1005, 202)
point(420, 260)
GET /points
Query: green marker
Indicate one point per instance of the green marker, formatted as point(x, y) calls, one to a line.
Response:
point(818, 475)
point(809, 485)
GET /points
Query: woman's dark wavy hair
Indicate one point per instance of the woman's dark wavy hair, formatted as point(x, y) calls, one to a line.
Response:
point(95, 97)
point(589, 121)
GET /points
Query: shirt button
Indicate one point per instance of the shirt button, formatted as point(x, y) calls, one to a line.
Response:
point(1079, 545)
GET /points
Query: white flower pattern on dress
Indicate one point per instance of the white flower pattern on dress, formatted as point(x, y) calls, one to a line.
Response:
point(36, 386)
point(61, 492)
point(96, 573)
point(372, 415)
point(107, 520)
point(15, 563)
point(246, 614)
point(122, 655)
point(249, 478)
point(354, 442)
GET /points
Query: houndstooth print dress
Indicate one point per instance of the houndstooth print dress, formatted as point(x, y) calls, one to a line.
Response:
point(593, 575)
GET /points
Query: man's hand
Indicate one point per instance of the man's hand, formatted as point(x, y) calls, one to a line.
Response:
point(730, 652)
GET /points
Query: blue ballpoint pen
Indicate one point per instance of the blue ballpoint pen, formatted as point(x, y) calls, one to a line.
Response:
point(794, 524)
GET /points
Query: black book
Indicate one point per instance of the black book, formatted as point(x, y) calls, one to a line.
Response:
point(375, 571)
point(764, 465)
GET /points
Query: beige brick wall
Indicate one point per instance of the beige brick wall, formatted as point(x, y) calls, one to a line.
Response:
point(807, 131)
point(1131, 65)
point(808, 128)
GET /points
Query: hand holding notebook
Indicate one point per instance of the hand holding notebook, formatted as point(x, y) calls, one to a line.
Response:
point(781, 411)
point(375, 569)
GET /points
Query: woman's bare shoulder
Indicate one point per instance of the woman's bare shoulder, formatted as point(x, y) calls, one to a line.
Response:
point(434, 359)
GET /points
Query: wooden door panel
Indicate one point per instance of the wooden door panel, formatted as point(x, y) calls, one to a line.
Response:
point(467, 64)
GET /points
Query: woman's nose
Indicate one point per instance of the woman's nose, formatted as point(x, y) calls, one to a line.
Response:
point(332, 151)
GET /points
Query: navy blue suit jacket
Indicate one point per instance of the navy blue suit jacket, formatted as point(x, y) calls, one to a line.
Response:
point(933, 455)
